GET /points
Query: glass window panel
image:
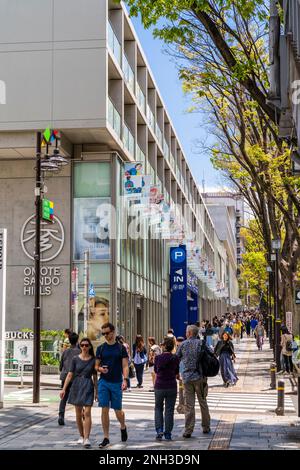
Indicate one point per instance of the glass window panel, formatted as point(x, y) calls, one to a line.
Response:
point(99, 274)
point(91, 228)
point(91, 179)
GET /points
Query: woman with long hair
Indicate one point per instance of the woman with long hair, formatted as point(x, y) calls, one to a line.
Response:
point(83, 391)
point(225, 350)
point(154, 350)
point(139, 355)
point(166, 366)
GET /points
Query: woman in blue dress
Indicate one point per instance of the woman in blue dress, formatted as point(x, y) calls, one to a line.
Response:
point(83, 390)
point(225, 350)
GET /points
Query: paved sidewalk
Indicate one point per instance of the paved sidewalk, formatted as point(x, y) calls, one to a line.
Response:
point(242, 417)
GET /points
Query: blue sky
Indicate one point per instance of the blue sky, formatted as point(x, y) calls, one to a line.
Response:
point(187, 125)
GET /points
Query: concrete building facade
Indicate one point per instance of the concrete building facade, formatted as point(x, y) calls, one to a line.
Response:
point(82, 70)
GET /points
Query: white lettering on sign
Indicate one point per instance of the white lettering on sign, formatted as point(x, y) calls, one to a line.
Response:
point(18, 335)
point(50, 277)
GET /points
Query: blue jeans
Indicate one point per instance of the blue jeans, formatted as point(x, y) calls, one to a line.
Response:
point(168, 398)
point(139, 369)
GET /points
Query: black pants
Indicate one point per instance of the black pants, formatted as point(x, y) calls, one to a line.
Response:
point(63, 401)
point(139, 369)
point(288, 363)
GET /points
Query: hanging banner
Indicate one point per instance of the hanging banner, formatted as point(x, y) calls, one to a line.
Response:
point(178, 290)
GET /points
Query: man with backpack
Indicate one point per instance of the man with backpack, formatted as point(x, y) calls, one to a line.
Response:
point(194, 381)
point(112, 363)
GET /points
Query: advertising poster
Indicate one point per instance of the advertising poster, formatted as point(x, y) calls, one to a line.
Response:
point(134, 169)
point(23, 351)
point(98, 313)
point(91, 230)
point(137, 185)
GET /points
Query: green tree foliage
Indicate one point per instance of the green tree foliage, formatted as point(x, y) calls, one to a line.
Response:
point(253, 270)
point(219, 24)
point(221, 47)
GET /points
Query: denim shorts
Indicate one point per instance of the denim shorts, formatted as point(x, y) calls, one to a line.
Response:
point(110, 394)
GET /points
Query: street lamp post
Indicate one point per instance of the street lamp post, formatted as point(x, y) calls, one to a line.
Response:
point(270, 323)
point(37, 265)
point(276, 247)
point(48, 163)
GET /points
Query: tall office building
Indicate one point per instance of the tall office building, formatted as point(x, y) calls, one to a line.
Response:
point(77, 66)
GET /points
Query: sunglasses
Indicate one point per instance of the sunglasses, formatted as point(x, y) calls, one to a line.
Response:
point(106, 333)
point(85, 345)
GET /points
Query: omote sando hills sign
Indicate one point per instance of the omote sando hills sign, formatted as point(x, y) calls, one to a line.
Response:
point(52, 243)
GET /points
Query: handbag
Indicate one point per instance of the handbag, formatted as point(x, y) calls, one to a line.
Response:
point(131, 371)
point(208, 364)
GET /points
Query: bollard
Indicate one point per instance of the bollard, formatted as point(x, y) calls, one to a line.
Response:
point(21, 375)
point(280, 398)
point(273, 375)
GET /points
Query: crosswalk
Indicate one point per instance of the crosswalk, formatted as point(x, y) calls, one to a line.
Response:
point(233, 403)
point(24, 396)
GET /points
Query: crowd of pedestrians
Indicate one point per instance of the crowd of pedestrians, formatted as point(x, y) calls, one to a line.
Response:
point(169, 362)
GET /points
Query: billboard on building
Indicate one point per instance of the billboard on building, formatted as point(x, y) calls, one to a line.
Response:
point(92, 227)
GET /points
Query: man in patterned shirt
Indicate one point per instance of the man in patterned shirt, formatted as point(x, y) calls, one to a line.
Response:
point(193, 381)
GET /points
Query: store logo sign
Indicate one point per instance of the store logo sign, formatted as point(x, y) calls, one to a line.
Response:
point(52, 238)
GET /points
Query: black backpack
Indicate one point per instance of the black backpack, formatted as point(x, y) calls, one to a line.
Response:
point(208, 363)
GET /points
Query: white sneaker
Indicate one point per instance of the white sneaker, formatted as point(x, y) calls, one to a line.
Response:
point(86, 443)
point(80, 440)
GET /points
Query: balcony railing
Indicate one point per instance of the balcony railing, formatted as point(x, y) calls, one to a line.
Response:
point(150, 118)
point(141, 98)
point(114, 118)
point(172, 161)
point(114, 44)
point(128, 73)
point(159, 135)
point(166, 150)
point(128, 140)
point(140, 156)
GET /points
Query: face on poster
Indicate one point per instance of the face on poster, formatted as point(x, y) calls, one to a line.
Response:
point(23, 351)
point(99, 314)
point(91, 230)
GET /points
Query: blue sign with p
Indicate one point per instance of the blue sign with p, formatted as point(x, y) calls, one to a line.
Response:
point(178, 255)
point(178, 290)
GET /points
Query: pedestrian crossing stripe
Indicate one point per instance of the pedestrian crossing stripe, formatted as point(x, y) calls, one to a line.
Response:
point(219, 402)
